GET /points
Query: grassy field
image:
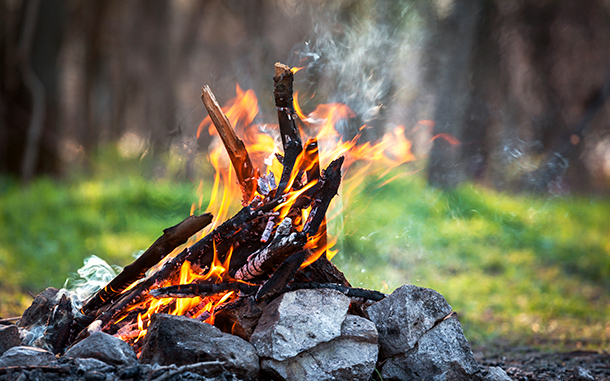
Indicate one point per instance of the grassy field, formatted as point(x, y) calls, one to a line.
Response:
point(516, 268)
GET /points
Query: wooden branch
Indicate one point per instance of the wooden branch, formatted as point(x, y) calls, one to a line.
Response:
point(332, 179)
point(282, 90)
point(246, 174)
point(352, 292)
point(172, 237)
point(202, 289)
point(292, 149)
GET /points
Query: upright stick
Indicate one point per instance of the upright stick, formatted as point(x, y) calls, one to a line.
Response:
point(246, 174)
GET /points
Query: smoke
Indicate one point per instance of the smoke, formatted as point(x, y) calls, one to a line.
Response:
point(360, 55)
point(90, 278)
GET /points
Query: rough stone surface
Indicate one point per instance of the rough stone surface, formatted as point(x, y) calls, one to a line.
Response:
point(440, 354)
point(40, 309)
point(179, 340)
point(496, 374)
point(103, 347)
point(404, 316)
point(298, 321)
point(92, 365)
point(24, 356)
point(9, 337)
point(351, 356)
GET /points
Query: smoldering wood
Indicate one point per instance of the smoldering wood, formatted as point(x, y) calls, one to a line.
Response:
point(321, 271)
point(282, 91)
point(172, 237)
point(284, 274)
point(352, 292)
point(246, 174)
point(267, 259)
point(202, 289)
point(311, 160)
point(292, 149)
point(331, 178)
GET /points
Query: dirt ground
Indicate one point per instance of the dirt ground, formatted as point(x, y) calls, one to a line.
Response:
point(527, 364)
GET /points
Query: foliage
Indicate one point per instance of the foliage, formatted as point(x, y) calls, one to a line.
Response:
point(514, 267)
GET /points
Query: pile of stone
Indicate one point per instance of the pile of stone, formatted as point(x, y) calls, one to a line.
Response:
point(302, 335)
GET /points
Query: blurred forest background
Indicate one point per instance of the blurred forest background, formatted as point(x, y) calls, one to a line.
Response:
point(99, 108)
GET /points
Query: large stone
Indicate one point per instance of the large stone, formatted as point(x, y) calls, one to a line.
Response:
point(103, 347)
point(441, 354)
point(26, 356)
point(404, 316)
point(9, 337)
point(351, 356)
point(298, 321)
point(179, 340)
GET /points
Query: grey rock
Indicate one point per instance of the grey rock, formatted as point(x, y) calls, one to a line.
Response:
point(440, 354)
point(351, 356)
point(92, 365)
point(24, 356)
point(103, 347)
point(581, 374)
point(40, 309)
point(299, 320)
point(496, 374)
point(404, 316)
point(179, 340)
point(9, 337)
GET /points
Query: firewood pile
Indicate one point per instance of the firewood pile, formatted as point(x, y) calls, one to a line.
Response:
point(264, 247)
point(263, 282)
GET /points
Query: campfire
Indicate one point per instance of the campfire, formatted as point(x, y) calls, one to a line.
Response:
point(262, 276)
point(277, 242)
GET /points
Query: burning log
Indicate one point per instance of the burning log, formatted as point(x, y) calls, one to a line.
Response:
point(246, 174)
point(171, 238)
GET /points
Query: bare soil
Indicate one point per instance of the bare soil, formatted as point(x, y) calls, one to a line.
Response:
point(527, 364)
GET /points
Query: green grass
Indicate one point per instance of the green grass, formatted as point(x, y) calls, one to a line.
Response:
point(49, 227)
point(515, 267)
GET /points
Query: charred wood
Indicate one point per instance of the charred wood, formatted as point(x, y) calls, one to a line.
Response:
point(331, 179)
point(282, 90)
point(172, 237)
point(202, 289)
point(352, 292)
point(284, 274)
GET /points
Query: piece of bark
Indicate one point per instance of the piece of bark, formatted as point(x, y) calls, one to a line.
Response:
point(246, 174)
point(282, 90)
point(172, 237)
